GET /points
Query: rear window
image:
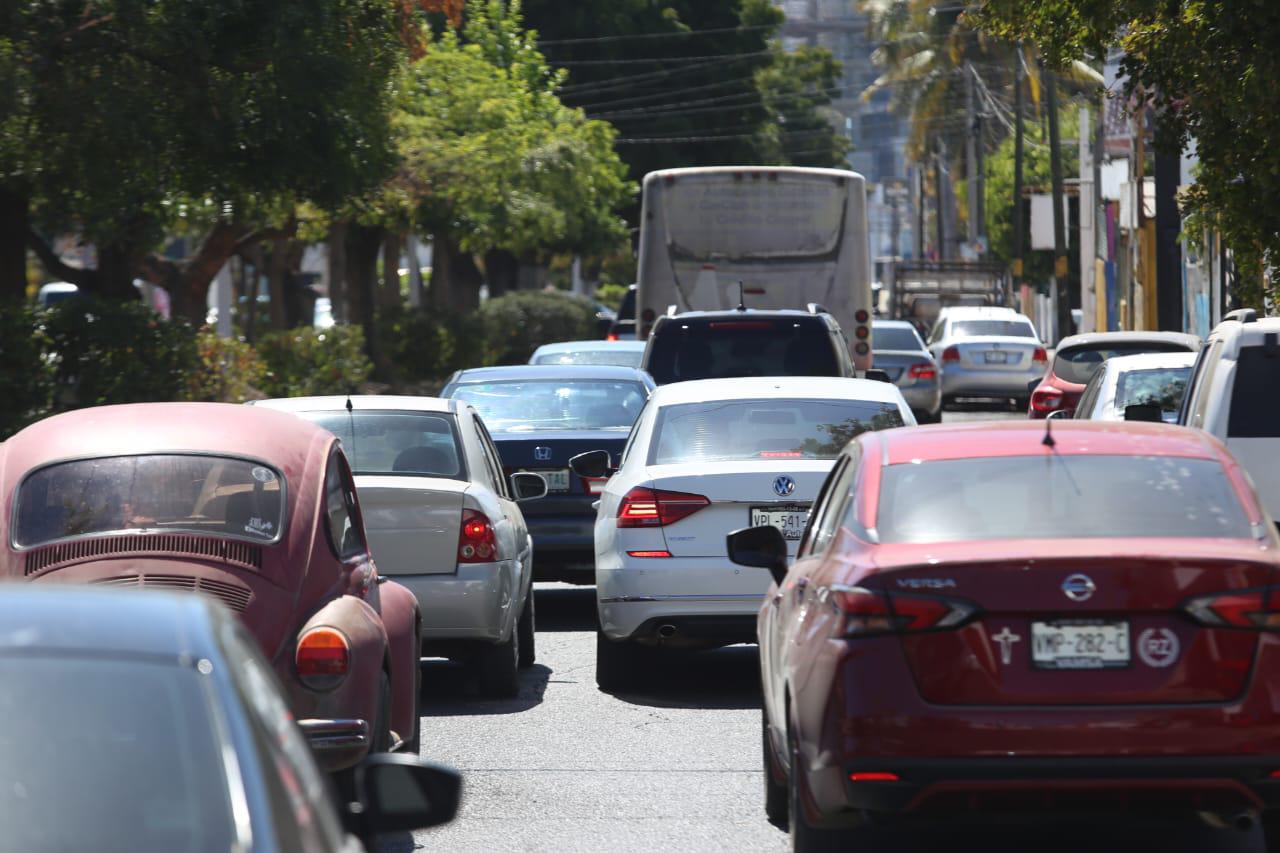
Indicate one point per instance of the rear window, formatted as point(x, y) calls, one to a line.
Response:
point(616, 356)
point(555, 404)
point(896, 338)
point(172, 493)
point(1053, 496)
point(1161, 387)
point(727, 430)
point(1255, 396)
point(1077, 364)
point(717, 218)
point(1000, 328)
point(716, 349)
point(406, 443)
point(137, 764)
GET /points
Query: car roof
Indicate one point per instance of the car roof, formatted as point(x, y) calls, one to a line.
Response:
point(516, 372)
point(777, 387)
point(1026, 438)
point(754, 313)
point(892, 324)
point(377, 402)
point(574, 346)
point(978, 311)
point(71, 618)
point(1235, 334)
point(1102, 339)
point(1148, 361)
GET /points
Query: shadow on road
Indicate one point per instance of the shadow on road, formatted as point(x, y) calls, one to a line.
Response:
point(448, 690)
point(726, 679)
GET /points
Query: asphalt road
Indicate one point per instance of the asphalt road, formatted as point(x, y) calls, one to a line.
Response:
point(565, 767)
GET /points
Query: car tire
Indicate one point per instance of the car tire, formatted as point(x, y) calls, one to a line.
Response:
point(498, 668)
point(619, 664)
point(806, 838)
point(527, 631)
point(776, 796)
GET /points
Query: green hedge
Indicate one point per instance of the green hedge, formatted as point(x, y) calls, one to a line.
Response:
point(516, 324)
point(27, 384)
point(305, 362)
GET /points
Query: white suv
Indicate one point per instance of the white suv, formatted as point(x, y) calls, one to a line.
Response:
point(1232, 394)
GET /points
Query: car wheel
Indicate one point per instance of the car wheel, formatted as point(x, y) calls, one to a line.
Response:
point(619, 664)
point(775, 792)
point(498, 668)
point(528, 653)
point(806, 838)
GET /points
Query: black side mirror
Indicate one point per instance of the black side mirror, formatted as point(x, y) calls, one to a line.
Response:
point(593, 463)
point(401, 793)
point(1144, 412)
point(760, 547)
point(528, 486)
point(877, 375)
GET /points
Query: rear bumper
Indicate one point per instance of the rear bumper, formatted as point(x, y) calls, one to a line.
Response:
point(1001, 383)
point(716, 600)
point(473, 604)
point(564, 546)
point(922, 397)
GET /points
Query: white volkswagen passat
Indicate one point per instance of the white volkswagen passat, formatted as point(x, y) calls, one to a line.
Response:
point(706, 458)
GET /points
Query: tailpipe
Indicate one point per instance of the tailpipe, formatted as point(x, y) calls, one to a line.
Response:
point(666, 632)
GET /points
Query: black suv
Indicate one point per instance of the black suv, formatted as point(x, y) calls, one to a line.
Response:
point(746, 342)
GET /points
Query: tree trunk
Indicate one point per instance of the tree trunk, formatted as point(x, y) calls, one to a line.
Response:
point(338, 271)
point(502, 270)
point(13, 246)
point(389, 293)
point(363, 244)
point(117, 265)
point(277, 271)
point(455, 278)
point(299, 304)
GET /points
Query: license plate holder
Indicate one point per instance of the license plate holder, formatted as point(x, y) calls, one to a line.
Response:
point(1075, 644)
point(996, 357)
point(557, 479)
point(790, 519)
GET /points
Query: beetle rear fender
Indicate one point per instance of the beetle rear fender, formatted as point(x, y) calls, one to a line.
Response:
point(403, 622)
point(357, 695)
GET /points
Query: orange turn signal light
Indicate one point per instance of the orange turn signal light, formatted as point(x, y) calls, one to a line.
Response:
point(322, 658)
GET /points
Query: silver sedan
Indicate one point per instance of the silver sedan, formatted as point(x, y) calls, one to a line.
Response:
point(899, 352)
point(986, 352)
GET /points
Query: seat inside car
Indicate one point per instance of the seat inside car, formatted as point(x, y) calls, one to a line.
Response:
point(424, 460)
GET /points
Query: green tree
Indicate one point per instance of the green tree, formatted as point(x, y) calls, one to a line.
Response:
point(1209, 68)
point(797, 89)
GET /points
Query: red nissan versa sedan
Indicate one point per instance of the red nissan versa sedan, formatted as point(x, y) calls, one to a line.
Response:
point(1078, 356)
point(999, 617)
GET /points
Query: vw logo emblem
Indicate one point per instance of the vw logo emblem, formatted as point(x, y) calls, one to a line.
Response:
point(1079, 587)
point(783, 486)
point(542, 454)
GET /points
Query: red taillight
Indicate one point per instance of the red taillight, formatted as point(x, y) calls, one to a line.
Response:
point(1040, 355)
point(951, 354)
point(649, 554)
point(322, 658)
point(743, 325)
point(643, 507)
point(1046, 399)
point(861, 315)
point(612, 336)
point(868, 611)
point(862, 333)
point(873, 777)
point(476, 542)
point(1258, 609)
point(922, 371)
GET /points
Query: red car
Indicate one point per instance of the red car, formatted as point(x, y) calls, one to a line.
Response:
point(958, 634)
point(253, 507)
point(1078, 356)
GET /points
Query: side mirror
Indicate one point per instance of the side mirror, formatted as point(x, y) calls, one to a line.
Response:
point(401, 793)
point(527, 486)
point(1060, 414)
point(1144, 412)
point(877, 375)
point(760, 547)
point(593, 463)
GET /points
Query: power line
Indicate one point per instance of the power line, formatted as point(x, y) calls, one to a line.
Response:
point(642, 36)
point(565, 63)
point(667, 93)
point(656, 140)
point(624, 80)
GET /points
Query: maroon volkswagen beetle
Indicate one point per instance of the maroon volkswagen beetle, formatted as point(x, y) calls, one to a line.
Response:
point(254, 507)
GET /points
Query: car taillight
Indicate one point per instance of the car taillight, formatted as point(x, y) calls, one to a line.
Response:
point(322, 658)
point(1258, 609)
point(1040, 355)
point(612, 336)
point(1046, 399)
point(922, 371)
point(644, 507)
point(951, 354)
point(868, 611)
point(476, 542)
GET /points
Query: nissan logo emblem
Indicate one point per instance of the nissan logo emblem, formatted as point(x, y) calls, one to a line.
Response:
point(542, 454)
point(783, 486)
point(1079, 587)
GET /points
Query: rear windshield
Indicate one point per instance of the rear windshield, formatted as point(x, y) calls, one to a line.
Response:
point(716, 218)
point(1161, 387)
point(622, 357)
point(555, 404)
point(764, 429)
point(1053, 496)
point(137, 763)
point(420, 444)
point(896, 338)
point(1255, 403)
point(1000, 328)
point(1078, 364)
point(718, 349)
point(173, 493)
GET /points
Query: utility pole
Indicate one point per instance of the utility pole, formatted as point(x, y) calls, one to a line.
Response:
point(1018, 226)
point(1168, 249)
point(971, 156)
point(918, 180)
point(939, 157)
point(1060, 269)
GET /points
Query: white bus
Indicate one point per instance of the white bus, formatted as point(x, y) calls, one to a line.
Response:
point(792, 236)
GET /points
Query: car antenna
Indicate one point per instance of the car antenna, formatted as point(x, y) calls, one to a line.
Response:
point(1048, 441)
point(742, 296)
point(351, 423)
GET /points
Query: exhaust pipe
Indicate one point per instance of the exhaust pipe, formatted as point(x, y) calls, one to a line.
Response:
point(666, 632)
point(1244, 821)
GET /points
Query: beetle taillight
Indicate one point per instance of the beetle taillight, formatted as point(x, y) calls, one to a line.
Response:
point(476, 542)
point(322, 658)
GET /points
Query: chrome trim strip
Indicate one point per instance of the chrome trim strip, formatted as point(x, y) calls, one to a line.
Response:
point(335, 734)
point(632, 599)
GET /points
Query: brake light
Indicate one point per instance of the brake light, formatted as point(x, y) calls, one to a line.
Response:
point(862, 333)
point(612, 336)
point(1046, 399)
point(922, 371)
point(741, 325)
point(861, 315)
point(1040, 355)
point(649, 554)
point(868, 611)
point(951, 354)
point(322, 658)
point(873, 777)
point(1258, 609)
point(644, 507)
point(476, 542)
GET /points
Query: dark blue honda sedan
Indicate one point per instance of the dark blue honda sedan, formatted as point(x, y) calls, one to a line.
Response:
point(540, 416)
